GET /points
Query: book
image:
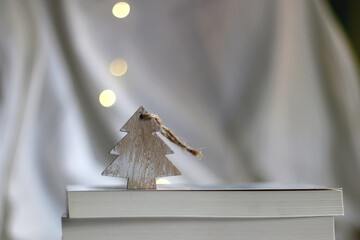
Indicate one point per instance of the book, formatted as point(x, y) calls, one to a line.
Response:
point(307, 228)
point(257, 201)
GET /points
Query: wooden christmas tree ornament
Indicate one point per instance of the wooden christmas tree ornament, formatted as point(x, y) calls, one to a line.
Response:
point(141, 153)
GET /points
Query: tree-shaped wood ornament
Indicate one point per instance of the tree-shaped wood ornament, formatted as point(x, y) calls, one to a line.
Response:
point(141, 154)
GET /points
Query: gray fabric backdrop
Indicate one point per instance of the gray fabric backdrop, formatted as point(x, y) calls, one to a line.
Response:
point(267, 89)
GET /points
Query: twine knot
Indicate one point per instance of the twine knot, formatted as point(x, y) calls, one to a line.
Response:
point(166, 132)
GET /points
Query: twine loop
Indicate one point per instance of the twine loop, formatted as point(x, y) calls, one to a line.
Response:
point(166, 132)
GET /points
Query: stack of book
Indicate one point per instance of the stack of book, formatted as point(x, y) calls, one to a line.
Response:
point(249, 212)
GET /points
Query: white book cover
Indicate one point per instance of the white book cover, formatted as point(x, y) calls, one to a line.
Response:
point(319, 228)
point(246, 201)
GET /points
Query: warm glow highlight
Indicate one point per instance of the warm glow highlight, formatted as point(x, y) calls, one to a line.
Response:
point(121, 9)
point(162, 181)
point(107, 98)
point(118, 67)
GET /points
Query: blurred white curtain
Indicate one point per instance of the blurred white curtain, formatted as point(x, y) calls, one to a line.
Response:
point(268, 89)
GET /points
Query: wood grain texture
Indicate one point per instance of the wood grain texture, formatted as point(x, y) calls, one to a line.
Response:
point(141, 154)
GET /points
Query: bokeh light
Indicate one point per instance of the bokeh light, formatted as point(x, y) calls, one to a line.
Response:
point(121, 9)
point(162, 181)
point(107, 98)
point(118, 67)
